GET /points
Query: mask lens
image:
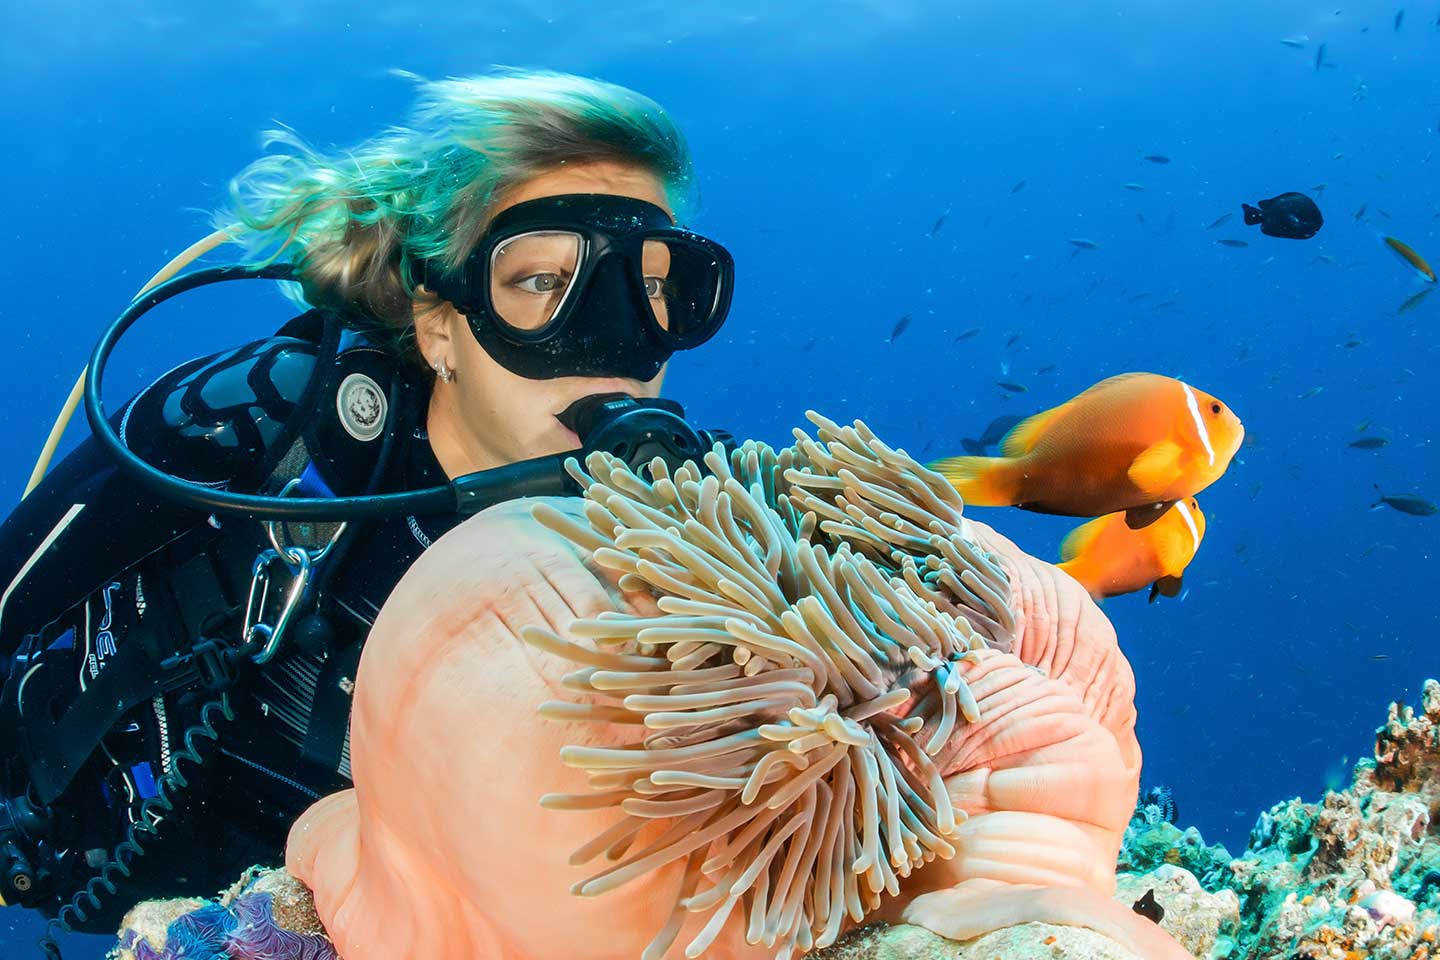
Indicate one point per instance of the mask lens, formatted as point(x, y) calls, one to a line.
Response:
point(531, 277)
point(682, 282)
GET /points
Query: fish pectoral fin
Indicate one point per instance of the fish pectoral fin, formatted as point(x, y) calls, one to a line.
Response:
point(1165, 587)
point(1138, 518)
point(1023, 437)
point(1157, 468)
point(1176, 545)
point(1077, 541)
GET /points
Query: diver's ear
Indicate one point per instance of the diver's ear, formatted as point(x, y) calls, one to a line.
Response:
point(434, 320)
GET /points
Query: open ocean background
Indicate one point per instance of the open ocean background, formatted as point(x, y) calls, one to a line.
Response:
point(830, 138)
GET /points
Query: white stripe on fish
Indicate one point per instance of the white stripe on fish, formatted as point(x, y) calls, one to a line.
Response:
point(1189, 522)
point(1194, 406)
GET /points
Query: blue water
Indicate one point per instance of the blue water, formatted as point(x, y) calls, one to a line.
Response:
point(830, 137)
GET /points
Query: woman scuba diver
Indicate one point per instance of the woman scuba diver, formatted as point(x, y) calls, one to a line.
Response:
point(185, 596)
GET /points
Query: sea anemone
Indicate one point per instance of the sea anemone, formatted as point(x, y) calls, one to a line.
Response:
point(804, 670)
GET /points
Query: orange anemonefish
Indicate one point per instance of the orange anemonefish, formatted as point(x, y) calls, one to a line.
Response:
point(1411, 257)
point(1137, 443)
point(1109, 558)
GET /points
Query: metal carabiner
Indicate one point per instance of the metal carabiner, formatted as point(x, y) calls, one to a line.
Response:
point(297, 561)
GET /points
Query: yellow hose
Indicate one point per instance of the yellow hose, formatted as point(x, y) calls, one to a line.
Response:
point(183, 259)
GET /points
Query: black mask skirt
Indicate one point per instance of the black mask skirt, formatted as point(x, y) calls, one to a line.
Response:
point(588, 285)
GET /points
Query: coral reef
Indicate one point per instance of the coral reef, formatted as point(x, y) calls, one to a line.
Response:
point(266, 915)
point(1354, 875)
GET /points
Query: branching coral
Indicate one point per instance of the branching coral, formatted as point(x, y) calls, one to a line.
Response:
point(804, 671)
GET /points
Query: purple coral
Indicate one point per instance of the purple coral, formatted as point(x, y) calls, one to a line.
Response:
point(246, 930)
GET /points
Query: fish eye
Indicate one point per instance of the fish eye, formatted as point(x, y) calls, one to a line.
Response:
point(1214, 408)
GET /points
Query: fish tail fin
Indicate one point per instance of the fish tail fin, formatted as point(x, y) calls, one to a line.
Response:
point(1252, 214)
point(982, 481)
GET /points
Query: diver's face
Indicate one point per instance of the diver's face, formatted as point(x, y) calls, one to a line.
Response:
point(487, 416)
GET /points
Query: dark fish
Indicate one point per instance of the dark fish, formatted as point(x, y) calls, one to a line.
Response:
point(1220, 221)
point(1352, 343)
point(1084, 244)
point(939, 222)
point(1361, 212)
point(1293, 42)
point(1137, 187)
point(1319, 56)
point(1019, 185)
point(1292, 216)
point(1312, 392)
point(1399, 18)
point(1156, 158)
point(966, 334)
point(1414, 301)
point(1379, 656)
point(1320, 187)
point(1011, 387)
point(1232, 243)
point(1140, 296)
point(809, 343)
point(900, 326)
point(1405, 503)
point(1045, 369)
point(1148, 908)
point(1013, 338)
point(993, 434)
point(1369, 443)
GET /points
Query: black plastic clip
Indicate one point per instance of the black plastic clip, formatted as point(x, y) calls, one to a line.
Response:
point(213, 662)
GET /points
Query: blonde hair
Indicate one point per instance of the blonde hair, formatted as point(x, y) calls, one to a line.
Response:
point(357, 222)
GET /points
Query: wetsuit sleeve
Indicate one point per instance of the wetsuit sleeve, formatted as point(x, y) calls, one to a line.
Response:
point(223, 421)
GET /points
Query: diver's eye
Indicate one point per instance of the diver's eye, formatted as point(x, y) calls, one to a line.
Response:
point(542, 283)
point(1214, 408)
point(654, 287)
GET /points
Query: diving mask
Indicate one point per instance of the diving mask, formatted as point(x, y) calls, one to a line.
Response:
point(588, 285)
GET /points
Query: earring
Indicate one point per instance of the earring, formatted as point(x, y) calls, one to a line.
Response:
point(444, 372)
